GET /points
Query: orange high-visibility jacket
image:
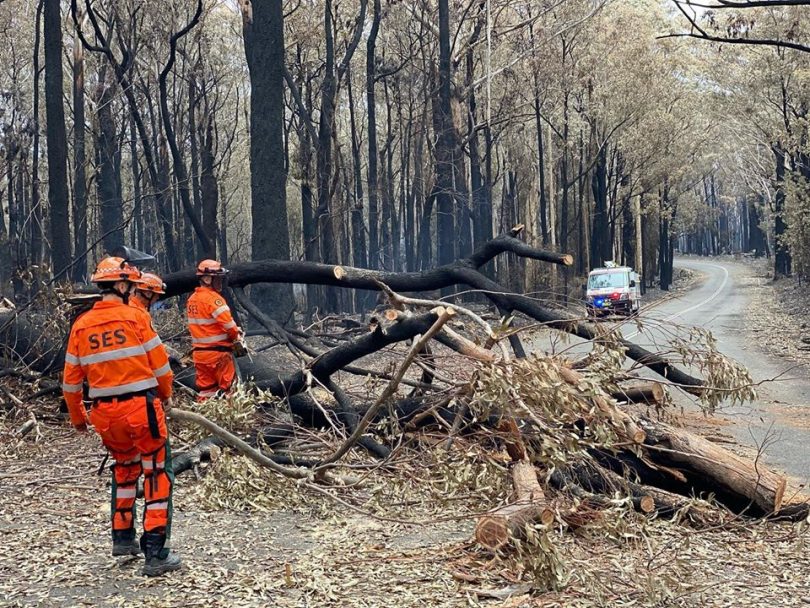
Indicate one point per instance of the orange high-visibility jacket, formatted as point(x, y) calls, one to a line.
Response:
point(209, 320)
point(115, 348)
point(136, 303)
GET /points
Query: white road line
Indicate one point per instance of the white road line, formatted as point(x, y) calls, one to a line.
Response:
point(699, 304)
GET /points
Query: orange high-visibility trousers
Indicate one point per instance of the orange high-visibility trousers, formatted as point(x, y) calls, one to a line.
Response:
point(137, 440)
point(215, 372)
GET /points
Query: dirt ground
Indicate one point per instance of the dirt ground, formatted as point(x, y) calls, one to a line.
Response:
point(249, 538)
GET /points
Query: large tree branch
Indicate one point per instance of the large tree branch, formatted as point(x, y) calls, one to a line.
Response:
point(704, 35)
point(720, 4)
point(334, 360)
point(460, 272)
point(442, 316)
point(750, 41)
point(283, 271)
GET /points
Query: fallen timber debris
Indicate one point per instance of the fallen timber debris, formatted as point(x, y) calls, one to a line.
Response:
point(462, 272)
point(576, 445)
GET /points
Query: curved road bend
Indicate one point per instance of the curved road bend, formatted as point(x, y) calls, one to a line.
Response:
point(780, 417)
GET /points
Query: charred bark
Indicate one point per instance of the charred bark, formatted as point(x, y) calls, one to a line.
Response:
point(56, 134)
point(263, 32)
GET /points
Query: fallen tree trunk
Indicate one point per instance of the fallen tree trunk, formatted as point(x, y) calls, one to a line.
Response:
point(495, 529)
point(334, 360)
point(461, 272)
point(719, 470)
point(651, 393)
point(281, 271)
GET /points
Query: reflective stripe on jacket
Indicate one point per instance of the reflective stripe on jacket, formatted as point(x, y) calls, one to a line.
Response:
point(209, 319)
point(115, 348)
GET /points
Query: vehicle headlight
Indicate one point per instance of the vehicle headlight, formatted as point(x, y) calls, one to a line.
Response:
point(624, 296)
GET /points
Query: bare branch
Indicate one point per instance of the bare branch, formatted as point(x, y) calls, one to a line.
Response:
point(703, 35)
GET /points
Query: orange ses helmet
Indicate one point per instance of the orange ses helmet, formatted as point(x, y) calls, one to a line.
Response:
point(210, 268)
point(112, 269)
point(151, 282)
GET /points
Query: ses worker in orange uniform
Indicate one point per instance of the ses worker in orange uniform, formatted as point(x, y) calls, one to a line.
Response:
point(214, 334)
point(114, 348)
point(148, 290)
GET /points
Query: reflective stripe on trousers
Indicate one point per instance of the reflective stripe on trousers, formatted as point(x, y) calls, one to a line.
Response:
point(157, 490)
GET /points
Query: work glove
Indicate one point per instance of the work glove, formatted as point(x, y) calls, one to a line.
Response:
point(168, 404)
point(80, 428)
point(239, 349)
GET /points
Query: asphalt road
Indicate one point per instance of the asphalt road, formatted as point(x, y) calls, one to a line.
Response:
point(778, 422)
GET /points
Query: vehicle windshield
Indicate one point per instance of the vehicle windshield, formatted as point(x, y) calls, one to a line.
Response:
point(608, 280)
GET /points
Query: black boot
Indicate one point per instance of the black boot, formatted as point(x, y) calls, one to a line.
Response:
point(158, 559)
point(124, 543)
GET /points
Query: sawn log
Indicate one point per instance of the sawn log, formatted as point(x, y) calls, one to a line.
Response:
point(496, 528)
point(718, 469)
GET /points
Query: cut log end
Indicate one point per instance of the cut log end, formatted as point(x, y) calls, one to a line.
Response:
point(495, 529)
point(492, 533)
point(391, 314)
point(646, 504)
point(638, 436)
point(652, 393)
point(517, 229)
point(567, 259)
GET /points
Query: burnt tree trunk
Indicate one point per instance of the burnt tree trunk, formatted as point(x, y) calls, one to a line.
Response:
point(79, 162)
point(195, 137)
point(324, 168)
point(481, 208)
point(112, 212)
point(263, 33)
point(542, 210)
point(209, 189)
point(601, 245)
point(36, 204)
point(371, 108)
point(359, 253)
point(781, 258)
point(137, 211)
point(445, 145)
point(305, 138)
point(57, 140)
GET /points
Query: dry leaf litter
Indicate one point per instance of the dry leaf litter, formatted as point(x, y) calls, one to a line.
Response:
point(399, 535)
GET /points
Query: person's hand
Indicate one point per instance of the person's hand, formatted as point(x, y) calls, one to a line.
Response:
point(81, 428)
point(239, 348)
point(168, 404)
